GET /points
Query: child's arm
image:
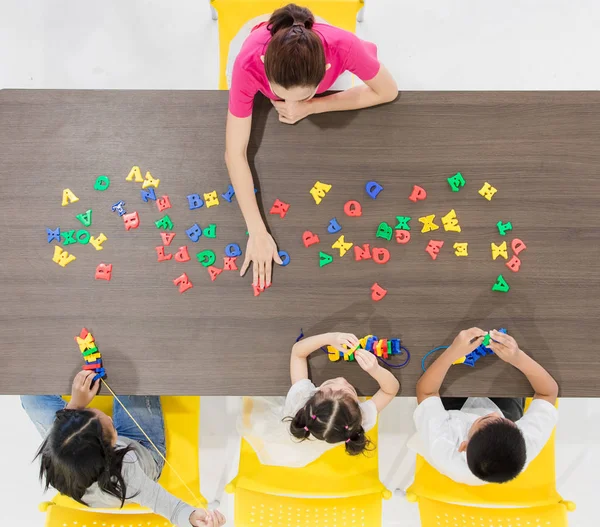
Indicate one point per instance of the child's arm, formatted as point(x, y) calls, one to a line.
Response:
point(388, 384)
point(303, 348)
point(82, 391)
point(541, 381)
point(430, 382)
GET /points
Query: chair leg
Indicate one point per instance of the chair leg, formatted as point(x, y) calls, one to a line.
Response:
point(360, 16)
point(213, 11)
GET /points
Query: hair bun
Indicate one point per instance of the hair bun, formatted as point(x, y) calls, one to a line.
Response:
point(290, 16)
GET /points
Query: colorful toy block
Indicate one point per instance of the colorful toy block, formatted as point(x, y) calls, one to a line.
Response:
point(380, 255)
point(214, 272)
point(487, 191)
point(195, 201)
point(308, 238)
point(428, 223)
point(418, 194)
point(83, 236)
point(319, 190)
point(206, 258)
point(486, 340)
point(68, 197)
point(333, 226)
point(163, 203)
point(131, 220)
point(160, 252)
point(102, 183)
point(433, 248)
point(85, 218)
point(461, 248)
point(402, 237)
point(183, 282)
point(514, 264)
point(229, 263)
point(211, 199)
point(148, 194)
point(517, 246)
point(92, 365)
point(135, 174)
point(97, 242)
point(324, 259)
point(501, 285)
point(456, 182)
point(210, 231)
point(450, 222)
point(90, 351)
point(362, 253)
point(377, 292)
point(53, 234)
point(403, 223)
point(481, 351)
point(279, 207)
point(499, 250)
point(342, 245)
point(381, 348)
point(228, 196)
point(285, 258)
point(118, 208)
point(503, 227)
point(103, 272)
point(149, 181)
point(85, 340)
point(182, 254)
point(68, 237)
point(194, 232)
point(167, 237)
point(384, 231)
point(257, 290)
point(373, 189)
point(233, 249)
point(353, 209)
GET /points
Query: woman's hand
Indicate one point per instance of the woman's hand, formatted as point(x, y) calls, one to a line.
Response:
point(206, 518)
point(504, 346)
point(82, 391)
point(292, 112)
point(339, 340)
point(465, 342)
point(261, 250)
point(367, 361)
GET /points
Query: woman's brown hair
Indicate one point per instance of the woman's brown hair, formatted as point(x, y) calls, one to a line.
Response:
point(295, 54)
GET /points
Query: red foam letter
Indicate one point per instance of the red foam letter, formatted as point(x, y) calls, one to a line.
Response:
point(131, 220)
point(310, 239)
point(214, 272)
point(279, 207)
point(183, 282)
point(380, 255)
point(514, 264)
point(229, 263)
point(377, 292)
point(103, 271)
point(167, 237)
point(517, 246)
point(160, 251)
point(433, 248)
point(353, 208)
point(182, 254)
point(417, 194)
point(363, 253)
point(402, 236)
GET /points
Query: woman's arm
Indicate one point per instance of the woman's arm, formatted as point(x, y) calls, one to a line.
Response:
point(261, 249)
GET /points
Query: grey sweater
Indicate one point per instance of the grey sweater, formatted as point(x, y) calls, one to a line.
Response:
point(140, 474)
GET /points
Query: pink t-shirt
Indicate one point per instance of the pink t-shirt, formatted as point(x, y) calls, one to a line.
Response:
point(343, 50)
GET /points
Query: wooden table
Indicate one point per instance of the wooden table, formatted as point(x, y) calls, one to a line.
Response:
point(540, 150)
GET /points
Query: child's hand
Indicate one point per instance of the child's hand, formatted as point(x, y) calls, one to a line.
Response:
point(82, 391)
point(465, 342)
point(367, 361)
point(506, 347)
point(206, 518)
point(338, 340)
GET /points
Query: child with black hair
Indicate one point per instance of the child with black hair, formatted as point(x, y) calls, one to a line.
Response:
point(103, 463)
point(311, 420)
point(480, 440)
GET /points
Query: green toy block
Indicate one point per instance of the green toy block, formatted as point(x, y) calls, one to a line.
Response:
point(82, 236)
point(503, 227)
point(206, 258)
point(403, 223)
point(456, 182)
point(324, 259)
point(68, 237)
point(210, 231)
point(85, 218)
point(102, 183)
point(486, 340)
point(89, 351)
point(384, 231)
point(164, 223)
point(501, 285)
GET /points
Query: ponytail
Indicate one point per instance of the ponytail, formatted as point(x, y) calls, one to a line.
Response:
point(290, 16)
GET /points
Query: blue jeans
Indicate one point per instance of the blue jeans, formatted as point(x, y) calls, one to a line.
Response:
point(146, 410)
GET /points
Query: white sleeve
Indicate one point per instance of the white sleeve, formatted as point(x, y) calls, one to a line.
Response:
point(369, 414)
point(430, 419)
point(537, 425)
point(296, 398)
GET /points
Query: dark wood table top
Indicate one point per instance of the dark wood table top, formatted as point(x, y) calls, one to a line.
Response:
point(540, 150)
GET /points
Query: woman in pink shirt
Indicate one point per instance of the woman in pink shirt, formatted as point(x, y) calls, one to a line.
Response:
point(289, 60)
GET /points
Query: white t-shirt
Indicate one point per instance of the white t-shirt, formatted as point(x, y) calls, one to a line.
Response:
point(440, 433)
point(270, 436)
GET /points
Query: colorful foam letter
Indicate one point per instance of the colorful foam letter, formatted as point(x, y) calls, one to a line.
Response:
point(167, 237)
point(433, 248)
point(195, 201)
point(118, 208)
point(456, 182)
point(183, 282)
point(164, 223)
point(428, 223)
point(102, 183)
point(461, 248)
point(402, 237)
point(487, 191)
point(501, 285)
point(210, 231)
point(68, 197)
point(211, 199)
point(384, 231)
point(206, 258)
point(214, 272)
point(182, 254)
point(229, 263)
point(377, 292)
point(285, 258)
point(233, 249)
point(517, 246)
point(150, 181)
point(160, 252)
point(85, 218)
point(319, 190)
point(308, 238)
point(450, 222)
point(103, 272)
point(403, 223)
point(418, 194)
point(342, 245)
point(353, 208)
point(228, 196)
point(373, 189)
point(499, 250)
point(279, 207)
point(514, 264)
point(148, 194)
point(68, 237)
point(62, 257)
point(503, 227)
point(380, 255)
point(135, 173)
point(362, 253)
point(333, 226)
point(82, 236)
point(97, 242)
point(163, 203)
point(131, 220)
point(194, 232)
point(324, 259)
point(53, 234)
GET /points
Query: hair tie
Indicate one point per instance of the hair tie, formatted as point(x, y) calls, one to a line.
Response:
point(313, 416)
point(300, 24)
point(346, 427)
point(348, 440)
point(306, 428)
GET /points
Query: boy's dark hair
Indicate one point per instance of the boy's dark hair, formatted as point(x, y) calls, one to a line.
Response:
point(496, 453)
point(295, 54)
point(334, 420)
point(76, 454)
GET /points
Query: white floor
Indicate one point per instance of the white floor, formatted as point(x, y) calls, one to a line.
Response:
point(428, 45)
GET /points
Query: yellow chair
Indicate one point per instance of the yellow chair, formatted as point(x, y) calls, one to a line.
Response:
point(182, 420)
point(335, 490)
point(233, 14)
point(530, 496)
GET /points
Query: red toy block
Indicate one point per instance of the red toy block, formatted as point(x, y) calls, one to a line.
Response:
point(214, 272)
point(160, 251)
point(517, 246)
point(167, 237)
point(83, 333)
point(308, 238)
point(380, 255)
point(279, 207)
point(131, 220)
point(229, 263)
point(183, 282)
point(402, 237)
point(417, 194)
point(384, 348)
point(103, 272)
point(257, 290)
point(353, 208)
point(433, 248)
point(182, 254)
point(377, 292)
point(92, 366)
point(514, 264)
point(362, 253)
point(163, 203)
